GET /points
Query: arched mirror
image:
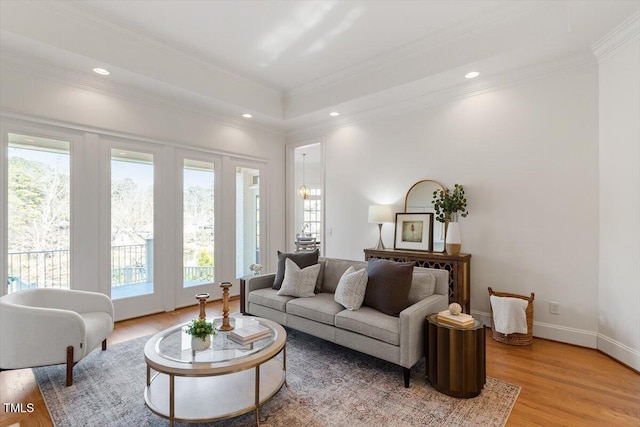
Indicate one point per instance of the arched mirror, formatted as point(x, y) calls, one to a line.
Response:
point(420, 199)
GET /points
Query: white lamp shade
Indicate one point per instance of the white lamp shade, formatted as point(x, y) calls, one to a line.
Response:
point(380, 213)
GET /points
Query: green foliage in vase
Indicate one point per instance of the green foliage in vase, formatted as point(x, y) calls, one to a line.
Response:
point(448, 203)
point(200, 328)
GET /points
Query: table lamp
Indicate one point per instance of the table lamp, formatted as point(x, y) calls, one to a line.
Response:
point(379, 214)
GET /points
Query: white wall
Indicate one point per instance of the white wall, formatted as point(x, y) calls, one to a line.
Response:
point(619, 296)
point(91, 114)
point(527, 156)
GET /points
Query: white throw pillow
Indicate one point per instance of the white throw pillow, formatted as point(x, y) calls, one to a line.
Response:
point(423, 285)
point(351, 288)
point(299, 282)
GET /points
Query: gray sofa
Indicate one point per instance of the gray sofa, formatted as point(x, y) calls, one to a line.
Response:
point(399, 340)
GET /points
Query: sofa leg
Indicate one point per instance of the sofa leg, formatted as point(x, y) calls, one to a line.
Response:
point(406, 374)
point(104, 344)
point(69, 366)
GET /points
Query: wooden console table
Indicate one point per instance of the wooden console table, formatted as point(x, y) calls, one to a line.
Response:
point(458, 266)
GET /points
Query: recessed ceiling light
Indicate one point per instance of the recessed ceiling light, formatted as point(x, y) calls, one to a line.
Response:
point(472, 75)
point(101, 71)
point(334, 114)
point(247, 115)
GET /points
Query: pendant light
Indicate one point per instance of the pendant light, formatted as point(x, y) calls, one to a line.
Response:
point(303, 191)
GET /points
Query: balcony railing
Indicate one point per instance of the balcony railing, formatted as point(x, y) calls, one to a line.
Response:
point(131, 264)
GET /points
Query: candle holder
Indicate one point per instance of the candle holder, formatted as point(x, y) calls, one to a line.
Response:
point(226, 326)
point(202, 298)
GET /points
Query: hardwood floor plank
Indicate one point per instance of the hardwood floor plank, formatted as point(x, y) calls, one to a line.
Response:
point(562, 385)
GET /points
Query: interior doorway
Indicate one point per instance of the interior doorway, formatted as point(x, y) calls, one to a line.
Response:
point(308, 193)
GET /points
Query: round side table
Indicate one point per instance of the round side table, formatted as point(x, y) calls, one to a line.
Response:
point(456, 363)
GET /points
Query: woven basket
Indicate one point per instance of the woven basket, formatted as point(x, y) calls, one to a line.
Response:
point(515, 339)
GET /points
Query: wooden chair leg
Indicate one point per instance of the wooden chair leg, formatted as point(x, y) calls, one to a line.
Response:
point(104, 344)
point(69, 365)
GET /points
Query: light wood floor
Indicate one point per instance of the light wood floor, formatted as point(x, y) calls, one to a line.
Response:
point(562, 385)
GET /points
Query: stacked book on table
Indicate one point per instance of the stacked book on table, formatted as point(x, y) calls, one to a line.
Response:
point(249, 333)
point(461, 320)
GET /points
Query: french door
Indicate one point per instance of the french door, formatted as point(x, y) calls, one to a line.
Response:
point(196, 255)
point(131, 242)
point(148, 224)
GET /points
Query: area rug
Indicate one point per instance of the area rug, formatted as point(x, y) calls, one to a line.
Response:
point(329, 386)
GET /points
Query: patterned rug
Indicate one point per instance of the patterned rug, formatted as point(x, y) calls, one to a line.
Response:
point(329, 385)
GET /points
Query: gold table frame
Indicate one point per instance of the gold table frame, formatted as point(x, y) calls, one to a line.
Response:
point(213, 391)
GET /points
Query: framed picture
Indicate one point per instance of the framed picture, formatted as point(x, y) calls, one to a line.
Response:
point(414, 231)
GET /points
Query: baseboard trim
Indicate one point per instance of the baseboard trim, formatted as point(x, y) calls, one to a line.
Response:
point(549, 331)
point(620, 352)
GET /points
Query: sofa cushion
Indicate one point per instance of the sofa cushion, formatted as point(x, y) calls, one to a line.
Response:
point(351, 288)
point(388, 286)
point(370, 322)
point(321, 308)
point(302, 259)
point(269, 298)
point(322, 263)
point(423, 284)
point(333, 271)
point(299, 282)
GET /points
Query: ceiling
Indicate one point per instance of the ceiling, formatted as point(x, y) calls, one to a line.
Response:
point(290, 63)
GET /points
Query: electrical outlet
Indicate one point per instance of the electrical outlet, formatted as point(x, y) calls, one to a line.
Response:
point(554, 307)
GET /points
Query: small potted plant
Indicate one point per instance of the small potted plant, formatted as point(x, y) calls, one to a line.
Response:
point(200, 331)
point(448, 205)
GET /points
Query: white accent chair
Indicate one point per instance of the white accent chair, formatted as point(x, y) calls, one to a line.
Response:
point(46, 326)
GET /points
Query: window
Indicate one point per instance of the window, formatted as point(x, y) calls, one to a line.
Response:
point(39, 213)
point(312, 213)
point(198, 223)
point(132, 223)
point(247, 219)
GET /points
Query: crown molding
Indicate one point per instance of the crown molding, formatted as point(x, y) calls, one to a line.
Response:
point(617, 40)
point(437, 39)
point(80, 80)
point(490, 83)
point(83, 11)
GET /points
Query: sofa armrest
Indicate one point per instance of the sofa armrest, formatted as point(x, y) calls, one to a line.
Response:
point(412, 321)
point(259, 282)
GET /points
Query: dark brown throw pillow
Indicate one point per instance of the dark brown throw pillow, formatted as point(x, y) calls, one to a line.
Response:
point(388, 286)
point(302, 259)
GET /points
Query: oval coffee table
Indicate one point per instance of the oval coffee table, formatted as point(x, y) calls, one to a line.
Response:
point(224, 381)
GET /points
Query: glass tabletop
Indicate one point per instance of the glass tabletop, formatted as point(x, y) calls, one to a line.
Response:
point(176, 344)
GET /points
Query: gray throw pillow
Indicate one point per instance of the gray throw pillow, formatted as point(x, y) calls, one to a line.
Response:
point(388, 285)
point(302, 260)
point(423, 285)
point(351, 288)
point(299, 282)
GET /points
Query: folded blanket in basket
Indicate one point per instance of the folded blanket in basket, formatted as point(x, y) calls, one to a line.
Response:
point(509, 315)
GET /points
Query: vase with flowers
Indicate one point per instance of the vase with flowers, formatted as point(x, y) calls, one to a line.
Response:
point(448, 206)
point(256, 268)
point(200, 331)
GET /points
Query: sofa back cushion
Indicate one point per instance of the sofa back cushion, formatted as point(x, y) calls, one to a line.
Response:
point(423, 285)
point(333, 271)
point(388, 286)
